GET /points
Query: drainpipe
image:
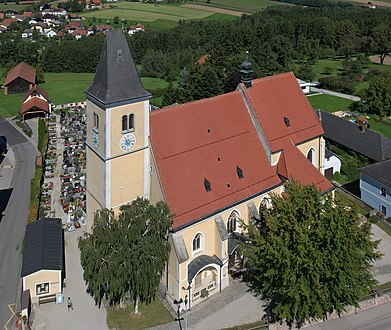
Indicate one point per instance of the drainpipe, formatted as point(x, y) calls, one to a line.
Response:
point(220, 278)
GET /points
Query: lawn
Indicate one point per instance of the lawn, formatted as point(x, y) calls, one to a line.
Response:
point(12, 5)
point(329, 103)
point(66, 88)
point(149, 315)
point(147, 12)
point(250, 6)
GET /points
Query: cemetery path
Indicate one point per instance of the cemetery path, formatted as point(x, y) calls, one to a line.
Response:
point(15, 210)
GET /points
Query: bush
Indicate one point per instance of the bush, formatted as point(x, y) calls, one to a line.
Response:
point(337, 84)
point(373, 219)
point(25, 128)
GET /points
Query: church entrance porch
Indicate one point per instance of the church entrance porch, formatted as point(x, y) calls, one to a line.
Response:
point(207, 275)
point(204, 283)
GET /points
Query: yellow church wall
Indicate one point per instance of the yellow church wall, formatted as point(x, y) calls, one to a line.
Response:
point(127, 178)
point(92, 207)
point(95, 177)
point(275, 158)
point(173, 269)
point(116, 126)
point(156, 193)
point(306, 146)
point(91, 109)
point(53, 277)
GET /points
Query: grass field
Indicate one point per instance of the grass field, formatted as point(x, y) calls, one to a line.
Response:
point(147, 12)
point(155, 18)
point(149, 315)
point(12, 5)
point(66, 88)
point(329, 103)
point(250, 6)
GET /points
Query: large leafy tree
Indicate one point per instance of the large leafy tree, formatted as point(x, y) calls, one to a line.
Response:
point(376, 98)
point(125, 254)
point(309, 256)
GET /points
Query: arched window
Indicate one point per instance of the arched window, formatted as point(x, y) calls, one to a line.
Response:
point(197, 242)
point(131, 122)
point(232, 221)
point(311, 155)
point(124, 123)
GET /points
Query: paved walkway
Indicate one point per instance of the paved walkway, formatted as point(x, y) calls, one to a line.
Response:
point(86, 315)
point(328, 92)
point(31, 139)
point(233, 306)
point(382, 268)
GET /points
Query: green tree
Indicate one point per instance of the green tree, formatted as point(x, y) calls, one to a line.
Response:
point(306, 72)
point(40, 75)
point(376, 98)
point(126, 254)
point(381, 36)
point(309, 255)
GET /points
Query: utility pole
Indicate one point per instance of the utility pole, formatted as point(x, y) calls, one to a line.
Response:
point(179, 318)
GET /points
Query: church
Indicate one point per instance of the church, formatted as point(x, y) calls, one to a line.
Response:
point(215, 162)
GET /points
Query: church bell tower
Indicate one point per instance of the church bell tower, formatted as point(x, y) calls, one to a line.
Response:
point(118, 155)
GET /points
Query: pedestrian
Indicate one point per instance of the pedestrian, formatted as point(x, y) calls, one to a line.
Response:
point(70, 304)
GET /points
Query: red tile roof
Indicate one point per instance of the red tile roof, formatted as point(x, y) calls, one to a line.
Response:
point(27, 14)
point(79, 32)
point(37, 89)
point(22, 70)
point(1, 15)
point(8, 21)
point(293, 164)
point(272, 99)
point(36, 104)
point(187, 142)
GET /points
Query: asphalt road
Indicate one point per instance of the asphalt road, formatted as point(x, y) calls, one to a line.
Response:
point(371, 319)
point(15, 207)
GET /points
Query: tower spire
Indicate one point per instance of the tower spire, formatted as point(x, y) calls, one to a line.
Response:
point(246, 72)
point(116, 80)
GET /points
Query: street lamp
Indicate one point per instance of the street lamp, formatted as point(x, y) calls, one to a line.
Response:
point(186, 312)
point(188, 295)
point(179, 318)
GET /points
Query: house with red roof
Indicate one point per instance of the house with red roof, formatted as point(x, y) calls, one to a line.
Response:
point(35, 103)
point(215, 161)
point(136, 28)
point(77, 34)
point(20, 79)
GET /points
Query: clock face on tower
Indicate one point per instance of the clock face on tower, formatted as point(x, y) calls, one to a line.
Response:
point(95, 140)
point(127, 142)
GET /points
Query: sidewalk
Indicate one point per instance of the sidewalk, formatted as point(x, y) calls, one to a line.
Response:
point(32, 141)
point(328, 92)
point(232, 306)
point(7, 168)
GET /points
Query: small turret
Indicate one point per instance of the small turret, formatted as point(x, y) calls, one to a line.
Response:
point(246, 73)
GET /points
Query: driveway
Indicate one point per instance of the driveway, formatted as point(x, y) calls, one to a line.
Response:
point(86, 315)
point(15, 179)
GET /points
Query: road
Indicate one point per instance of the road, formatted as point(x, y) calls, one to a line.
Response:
point(14, 203)
point(371, 319)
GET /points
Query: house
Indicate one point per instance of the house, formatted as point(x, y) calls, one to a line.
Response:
point(368, 5)
point(93, 4)
point(35, 103)
point(48, 18)
point(73, 26)
point(104, 28)
point(10, 13)
point(27, 33)
point(375, 186)
point(39, 28)
point(20, 79)
point(77, 34)
point(59, 12)
point(51, 33)
point(213, 161)
point(27, 14)
point(74, 17)
point(2, 29)
point(2, 15)
point(357, 138)
point(305, 86)
point(136, 28)
point(43, 268)
point(8, 21)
